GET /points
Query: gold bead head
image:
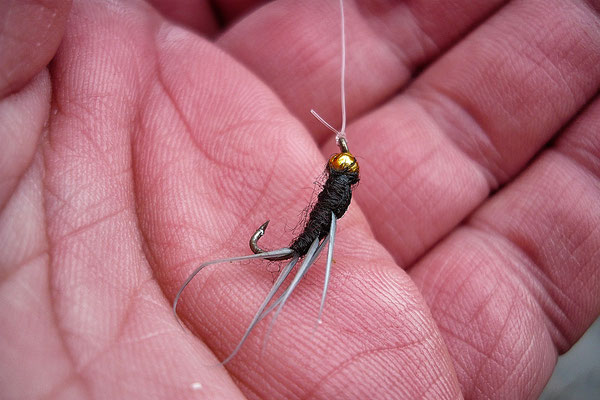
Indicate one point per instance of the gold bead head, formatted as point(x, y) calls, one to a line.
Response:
point(343, 162)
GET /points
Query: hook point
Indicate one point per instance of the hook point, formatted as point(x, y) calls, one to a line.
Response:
point(263, 227)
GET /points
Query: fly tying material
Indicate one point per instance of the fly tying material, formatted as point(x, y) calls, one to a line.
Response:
point(320, 229)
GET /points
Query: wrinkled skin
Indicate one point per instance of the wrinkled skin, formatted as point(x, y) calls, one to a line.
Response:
point(140, 139)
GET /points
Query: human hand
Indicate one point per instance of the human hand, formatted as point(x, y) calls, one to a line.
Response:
point(467, 261)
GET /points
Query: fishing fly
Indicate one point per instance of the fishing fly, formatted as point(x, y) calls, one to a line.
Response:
point(320, 229)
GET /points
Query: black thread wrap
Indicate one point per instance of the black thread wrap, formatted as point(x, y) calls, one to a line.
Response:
point(335, 196)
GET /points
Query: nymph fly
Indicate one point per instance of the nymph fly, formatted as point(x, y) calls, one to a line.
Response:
point(332, 202)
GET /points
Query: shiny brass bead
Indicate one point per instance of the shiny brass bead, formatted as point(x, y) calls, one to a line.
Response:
point(343, 162)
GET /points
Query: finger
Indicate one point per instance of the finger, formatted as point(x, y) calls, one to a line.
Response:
point(31, 32)
point(295, 48)
point(521, 279)
point(29, 37)
point(112, 317)
point(473, 120)
point(221, 171)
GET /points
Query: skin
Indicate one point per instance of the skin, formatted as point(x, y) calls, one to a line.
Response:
point(136, 145)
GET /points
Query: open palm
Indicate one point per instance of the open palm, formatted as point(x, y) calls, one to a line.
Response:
point(467, 262)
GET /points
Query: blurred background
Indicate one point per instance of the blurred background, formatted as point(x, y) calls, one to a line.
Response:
point(577, 374)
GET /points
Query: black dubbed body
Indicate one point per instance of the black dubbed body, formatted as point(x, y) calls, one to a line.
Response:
point(335, 197)
point(333, 201)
